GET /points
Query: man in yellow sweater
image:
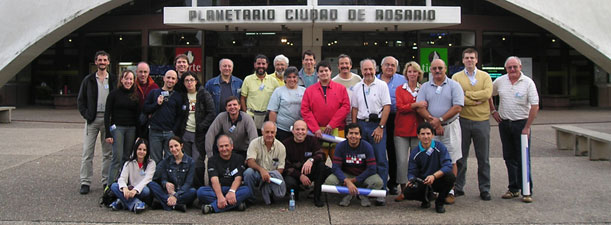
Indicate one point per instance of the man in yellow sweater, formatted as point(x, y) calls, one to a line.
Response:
point(474, 122)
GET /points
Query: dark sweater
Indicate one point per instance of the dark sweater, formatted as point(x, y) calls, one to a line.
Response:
point(359, 161)
point(120, 110)
point(424, 162)
point(167, 116)
point(298, 153)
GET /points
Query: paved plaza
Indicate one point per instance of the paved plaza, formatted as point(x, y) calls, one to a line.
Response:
point(40, 154)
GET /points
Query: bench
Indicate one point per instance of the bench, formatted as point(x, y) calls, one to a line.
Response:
point(583, 141)
point(5, 114)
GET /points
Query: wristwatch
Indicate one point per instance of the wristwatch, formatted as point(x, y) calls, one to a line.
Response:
point(311, 159)
point(231, 190)
point(441, 119)
point(381, 126)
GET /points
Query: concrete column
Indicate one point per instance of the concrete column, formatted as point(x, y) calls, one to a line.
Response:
point(312, 40)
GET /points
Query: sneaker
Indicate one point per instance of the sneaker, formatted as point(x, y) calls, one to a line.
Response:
point(181, 207)
point(365, 201)
point(140, 206)
point(510, 195)
point(84, 189)
point(381, 201)
point(116, 205)
point(207, 209)
point(425, 205)
point(450, 199)
point(346, 200)
point(242, 206)
point(527, 199)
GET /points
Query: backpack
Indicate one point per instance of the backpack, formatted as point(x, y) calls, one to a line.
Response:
point(107, 197)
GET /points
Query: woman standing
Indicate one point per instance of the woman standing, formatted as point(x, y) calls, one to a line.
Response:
point(285, 104)
point(197, 117)
point(137, 173)
point(120, 118)
point(174, 190)
point(407, 120)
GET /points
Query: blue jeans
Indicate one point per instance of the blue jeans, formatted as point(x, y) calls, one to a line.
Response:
point(160, 194)
point(158, 142)
point(129, 203)
point(122, 148)
point(379, 149)
point(207, 195)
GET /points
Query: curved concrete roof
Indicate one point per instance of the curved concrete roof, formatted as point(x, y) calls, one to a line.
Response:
point(31, 26)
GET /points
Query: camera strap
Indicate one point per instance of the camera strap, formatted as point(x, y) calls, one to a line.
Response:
point(365, 97)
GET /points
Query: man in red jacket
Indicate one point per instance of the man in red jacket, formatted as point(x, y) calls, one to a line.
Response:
point(145, 83)
point(325, 104)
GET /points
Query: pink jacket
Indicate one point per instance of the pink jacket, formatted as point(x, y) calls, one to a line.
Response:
point(319, 110)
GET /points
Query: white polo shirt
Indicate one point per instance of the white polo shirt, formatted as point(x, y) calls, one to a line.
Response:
point(515, 99)
point(377, 97)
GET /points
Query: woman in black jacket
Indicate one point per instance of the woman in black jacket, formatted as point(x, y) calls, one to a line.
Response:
point(120, 117)
point(198, 116)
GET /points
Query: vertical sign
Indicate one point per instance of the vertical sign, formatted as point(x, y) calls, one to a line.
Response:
point(194, 56)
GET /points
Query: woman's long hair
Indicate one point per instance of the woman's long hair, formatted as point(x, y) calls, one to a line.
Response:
point(134, 156)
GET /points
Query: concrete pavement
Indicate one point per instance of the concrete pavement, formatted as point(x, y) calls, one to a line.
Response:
point(40, 155)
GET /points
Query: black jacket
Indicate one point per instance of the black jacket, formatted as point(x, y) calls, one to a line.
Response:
point(204, 115)
point(87, 100)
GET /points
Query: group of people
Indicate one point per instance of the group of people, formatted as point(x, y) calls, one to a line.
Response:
point(264, 134)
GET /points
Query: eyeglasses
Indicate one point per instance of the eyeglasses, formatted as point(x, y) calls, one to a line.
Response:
point(189, 80)
point(440, 68)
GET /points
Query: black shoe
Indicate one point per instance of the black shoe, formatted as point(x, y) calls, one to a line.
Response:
point(84, 189)
point(458, 193)
point(439, 208)
point(392, 190)
point(242, 206)
point(181, 207)
point(156, 204)
point(485, 196)
point(425, 205)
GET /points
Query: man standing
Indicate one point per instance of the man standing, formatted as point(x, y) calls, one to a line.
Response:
point(354, 165)
point(370, 107)
point(236, 124)
point(91, 104)
point(144, 86)
point(474, 123)
point(181, 64)
point(393, 80)
point(256, 91)
point(281, 62)
point(431, 164)
point(165, 105)
point(346, 78)
point(305, 162)
point(145, 83)
point(307, 74)
point(325, 105)
point(225, 171)
point(445, 100)
point(518, 107)
point(224, 85)
point(266, 159)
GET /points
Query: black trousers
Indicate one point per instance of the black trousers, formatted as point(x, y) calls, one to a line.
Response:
point(390, 150)
point(319, 173)
point(442, 186)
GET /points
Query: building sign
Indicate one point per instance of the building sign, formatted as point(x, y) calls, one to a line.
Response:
point(194, 56)
point(219, 18)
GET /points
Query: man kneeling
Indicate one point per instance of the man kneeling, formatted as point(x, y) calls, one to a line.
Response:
point(354, 164)
point(429, 164)
point(225, 171)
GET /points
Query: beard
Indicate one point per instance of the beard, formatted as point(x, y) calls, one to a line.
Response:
point(260, 71)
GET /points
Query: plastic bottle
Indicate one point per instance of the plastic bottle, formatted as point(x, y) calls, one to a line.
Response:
point(292, 201)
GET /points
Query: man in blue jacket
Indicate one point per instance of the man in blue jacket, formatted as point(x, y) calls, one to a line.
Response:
point(224, 85)
point(431, 163)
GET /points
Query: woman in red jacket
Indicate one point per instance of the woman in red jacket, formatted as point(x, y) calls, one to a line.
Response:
point(407, 120)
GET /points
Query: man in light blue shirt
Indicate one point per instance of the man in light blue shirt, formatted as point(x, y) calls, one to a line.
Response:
point(307, 74)
point(393, 80)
